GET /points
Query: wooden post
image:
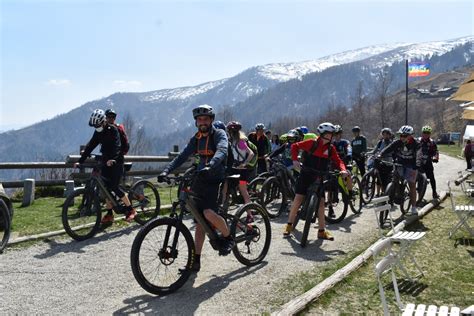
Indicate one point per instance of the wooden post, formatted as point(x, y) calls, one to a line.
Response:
point(28, 192)
point(175, 148)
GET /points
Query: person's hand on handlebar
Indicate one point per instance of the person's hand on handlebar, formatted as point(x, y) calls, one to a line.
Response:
point(296, 165)
point(110, 162)
point(163, 177)
point(77, 165)
point(344, 173)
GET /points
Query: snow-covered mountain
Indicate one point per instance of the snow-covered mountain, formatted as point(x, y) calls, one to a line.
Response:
point(166, 111)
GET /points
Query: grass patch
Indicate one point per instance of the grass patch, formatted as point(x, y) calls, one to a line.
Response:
point(451, 150)
point(447, 264)
point(44, 215)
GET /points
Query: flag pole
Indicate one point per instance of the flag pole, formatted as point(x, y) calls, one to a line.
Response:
point(406, 92)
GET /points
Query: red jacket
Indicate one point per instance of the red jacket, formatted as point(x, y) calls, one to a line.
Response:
point(322, 151)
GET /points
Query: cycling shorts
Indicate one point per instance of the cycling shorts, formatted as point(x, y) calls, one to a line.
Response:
point(304, 181)
point(407, 173)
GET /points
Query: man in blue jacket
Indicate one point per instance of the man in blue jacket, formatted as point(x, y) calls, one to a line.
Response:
point(210, 144)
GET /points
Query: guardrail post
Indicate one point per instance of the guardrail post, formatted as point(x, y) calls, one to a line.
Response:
point(140, 188)
point(28, 192)
point(68, 189)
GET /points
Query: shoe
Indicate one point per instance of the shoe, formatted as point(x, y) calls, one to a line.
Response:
point(331, 213)
point(325, 235)
point(249, 219)
point(435, 195)
point(131, 215)
point(288, 230)
point(196, 266)
point(107, 219)
point(226, 245)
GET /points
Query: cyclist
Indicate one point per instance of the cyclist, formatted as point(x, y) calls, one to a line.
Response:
point(407, 152)
point(359, 148)
point(260, 140)
point(211, 145)
point(107, 135)
point(320, 153)
point(385, 171)
point(307, 134)
point(244, 160)
point(285, 149)
point(343, 146)
point(430, 154)
point(111, 115)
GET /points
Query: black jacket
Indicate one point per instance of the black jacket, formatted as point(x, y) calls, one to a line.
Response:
point(109, 139)
point(408, 154)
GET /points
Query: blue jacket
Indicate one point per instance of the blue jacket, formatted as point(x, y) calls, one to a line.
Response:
point(211, 149)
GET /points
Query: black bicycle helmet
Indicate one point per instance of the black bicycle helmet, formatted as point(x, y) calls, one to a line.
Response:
point(356, 129)
point(204, 110)
point(110, 112)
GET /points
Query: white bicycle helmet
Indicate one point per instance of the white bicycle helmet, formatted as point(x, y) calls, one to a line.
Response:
point(326, 128)
point(97, 118)
point(405, 129)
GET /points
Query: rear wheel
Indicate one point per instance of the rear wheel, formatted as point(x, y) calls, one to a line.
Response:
point(367, 187)
point(81, 214)
point(421, 184)
point(255, 187)
point(162, 255)
point(336, 205)
point(252, 239)
point(145, 200)
point(272, 197)
point(5, 223)
point(355, 201)
point(406, 202)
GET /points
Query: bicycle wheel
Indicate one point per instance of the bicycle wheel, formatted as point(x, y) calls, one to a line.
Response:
point(421, 185)
point(81, 218)
point(406, 202)
point(161, 256)
point(146, 200)
point(252, 239)
point(255, 187)
point(367, 187)
point(272, 197)
point(336, 206)
point(312, 208)
point(384, 214)
point(5, 225)
point(355, 201)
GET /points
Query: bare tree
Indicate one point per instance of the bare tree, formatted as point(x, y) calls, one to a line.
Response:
point(225, 114)
point(382, 86)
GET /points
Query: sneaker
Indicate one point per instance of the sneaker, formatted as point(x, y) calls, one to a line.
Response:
point(325, 235)
point(331, 213)
point(226, 246)
point(414, 211)
point(249, 219)
point(435, 195)
point(288, 230)
point(194, 268)
point(107, 219)
point(131, 215)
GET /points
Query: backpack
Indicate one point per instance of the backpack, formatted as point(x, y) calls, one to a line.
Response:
point(252, 163)
point(125, 145)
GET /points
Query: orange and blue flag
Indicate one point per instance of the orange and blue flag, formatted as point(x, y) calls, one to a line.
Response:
point(418, 69)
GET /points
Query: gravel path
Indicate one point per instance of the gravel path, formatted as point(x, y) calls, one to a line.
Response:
point(94, 277)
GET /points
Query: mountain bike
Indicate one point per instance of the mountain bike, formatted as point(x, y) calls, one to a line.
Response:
point(83, 208)
point(277, 189)
point(5, 225)
point(399, 192)
point(163, 250)
point(323, 186)
point(371, 179)
point(355, 201)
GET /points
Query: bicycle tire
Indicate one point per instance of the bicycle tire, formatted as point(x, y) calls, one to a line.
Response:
point(145, 198)
point(368, 187)
point(248, 236)
point(313, 206)
point(88, 215)
point(270, 194)
point(255, 187)
point(421, 191)
point(384, 214)
point(5, 225)
point(334, 205)
point(356, 204)
point(406, 202)
point(143, 270)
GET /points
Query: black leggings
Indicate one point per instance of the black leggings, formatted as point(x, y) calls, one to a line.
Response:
point(360, 161)
point(428, 169)
point(112, 176)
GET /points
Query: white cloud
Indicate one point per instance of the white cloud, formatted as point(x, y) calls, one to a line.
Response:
point(58, 82)
point(127, 83)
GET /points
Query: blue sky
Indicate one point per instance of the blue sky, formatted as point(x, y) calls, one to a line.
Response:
point(57, 55)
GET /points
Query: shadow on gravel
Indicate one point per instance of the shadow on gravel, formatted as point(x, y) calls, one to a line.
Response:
point(187, 299)
point(312, 251)
point(77, 246)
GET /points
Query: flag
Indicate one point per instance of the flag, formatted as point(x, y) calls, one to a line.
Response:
point(418, 69)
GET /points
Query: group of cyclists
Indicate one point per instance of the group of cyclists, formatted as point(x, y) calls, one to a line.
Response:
point(223, 149)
